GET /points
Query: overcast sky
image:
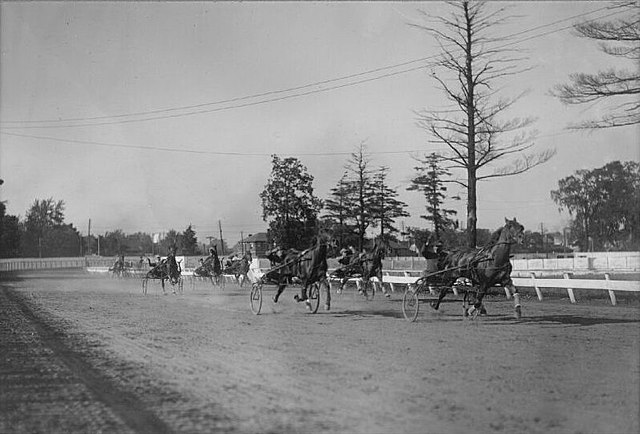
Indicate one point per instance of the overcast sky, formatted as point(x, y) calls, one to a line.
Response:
point(148, 116)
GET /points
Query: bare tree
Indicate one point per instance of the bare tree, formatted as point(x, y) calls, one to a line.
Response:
point(472, 63)
point(619, 38)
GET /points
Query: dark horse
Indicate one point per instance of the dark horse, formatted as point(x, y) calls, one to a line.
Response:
point(239, 269)
point(485, 267)
point(365, 265)
point(168, 269)
point(307, 267)
point(210, 268)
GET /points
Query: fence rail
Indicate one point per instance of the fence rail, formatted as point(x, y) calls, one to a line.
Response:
point(567, 283)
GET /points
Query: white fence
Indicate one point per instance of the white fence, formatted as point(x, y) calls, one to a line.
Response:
point(606, 284)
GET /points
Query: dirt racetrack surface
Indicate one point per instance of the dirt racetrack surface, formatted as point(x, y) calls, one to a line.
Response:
point(84, 353)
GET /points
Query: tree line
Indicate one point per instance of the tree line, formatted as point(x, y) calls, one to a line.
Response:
point(43, 233)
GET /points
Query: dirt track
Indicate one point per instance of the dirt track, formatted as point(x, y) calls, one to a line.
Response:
point(83, 354)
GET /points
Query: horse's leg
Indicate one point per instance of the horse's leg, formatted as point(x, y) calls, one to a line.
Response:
point(384, 291)
point(281, 286)
point(517, 309)
point(441, 293)
point(343, 282)
point(303, 291)
point(163, 291)
point(477, 307)
point(327, 300)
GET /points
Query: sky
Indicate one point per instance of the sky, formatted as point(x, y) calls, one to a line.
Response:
point(151, 116)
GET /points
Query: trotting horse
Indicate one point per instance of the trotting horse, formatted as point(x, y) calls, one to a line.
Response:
point(239, 269)
point(210, 268)
point(366, 265)
point(485, 267)
point(308, 267)
point(168, 269)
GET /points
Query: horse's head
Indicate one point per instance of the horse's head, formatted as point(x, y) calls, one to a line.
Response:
point(513, 232)
point(380, 247)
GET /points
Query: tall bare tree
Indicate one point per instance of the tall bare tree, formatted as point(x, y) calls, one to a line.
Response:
point(471, 65)
point(619, 88)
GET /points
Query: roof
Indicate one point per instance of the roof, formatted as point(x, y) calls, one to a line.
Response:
point(260, 237)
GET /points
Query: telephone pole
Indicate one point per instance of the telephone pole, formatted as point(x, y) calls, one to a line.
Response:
point(89, 239)
point(222, 252)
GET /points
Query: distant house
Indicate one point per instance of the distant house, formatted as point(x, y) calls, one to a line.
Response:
point(400, 248)
point(395, 248)
point(257, 244)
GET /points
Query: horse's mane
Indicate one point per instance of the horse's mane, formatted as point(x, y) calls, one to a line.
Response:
point(495, 236)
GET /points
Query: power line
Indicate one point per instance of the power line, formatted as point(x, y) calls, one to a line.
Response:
point(319, 83)
point(193, 151)
point(245, 154)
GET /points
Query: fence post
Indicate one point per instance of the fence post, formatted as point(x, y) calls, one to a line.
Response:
point(535, 285)
point(612, 294)
point(570, 290)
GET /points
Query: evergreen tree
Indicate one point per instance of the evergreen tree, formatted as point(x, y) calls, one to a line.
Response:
point(386, 206)
point(430, 180)
point(189, 241)
point(288, 200)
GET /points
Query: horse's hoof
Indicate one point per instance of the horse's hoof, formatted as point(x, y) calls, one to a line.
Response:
point(465, 312)
point(386, 294)
point(483, 311)
point(275, 299)
point(308, 304)
point(327, 307)
point(433, 306)
point(473, 312)
point(518, 312)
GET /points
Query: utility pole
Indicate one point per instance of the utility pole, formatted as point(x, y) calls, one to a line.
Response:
point(242, 242)
point(89, 239)
point(222, 252)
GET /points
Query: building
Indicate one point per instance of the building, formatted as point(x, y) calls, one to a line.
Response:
point(257, 244)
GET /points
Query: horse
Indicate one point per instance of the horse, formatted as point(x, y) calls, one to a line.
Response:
point(366, 265)
point(485, 267)
point(210, 268)
point(308, 267)
point(239, 269)
point(168, 269)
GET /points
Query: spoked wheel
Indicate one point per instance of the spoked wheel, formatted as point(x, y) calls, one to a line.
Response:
point(145, 284)
point(314, 297)
point(256, 298)
point(410, 304)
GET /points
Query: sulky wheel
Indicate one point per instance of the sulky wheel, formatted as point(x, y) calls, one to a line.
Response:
point(410, 304)
point(256, 298)
point(314, 297)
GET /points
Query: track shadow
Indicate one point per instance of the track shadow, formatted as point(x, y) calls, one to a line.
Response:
point(387, 313)
point(574, 320)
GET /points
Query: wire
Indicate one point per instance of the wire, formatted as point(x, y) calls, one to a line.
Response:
point(193, 151)
point(190, 107)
